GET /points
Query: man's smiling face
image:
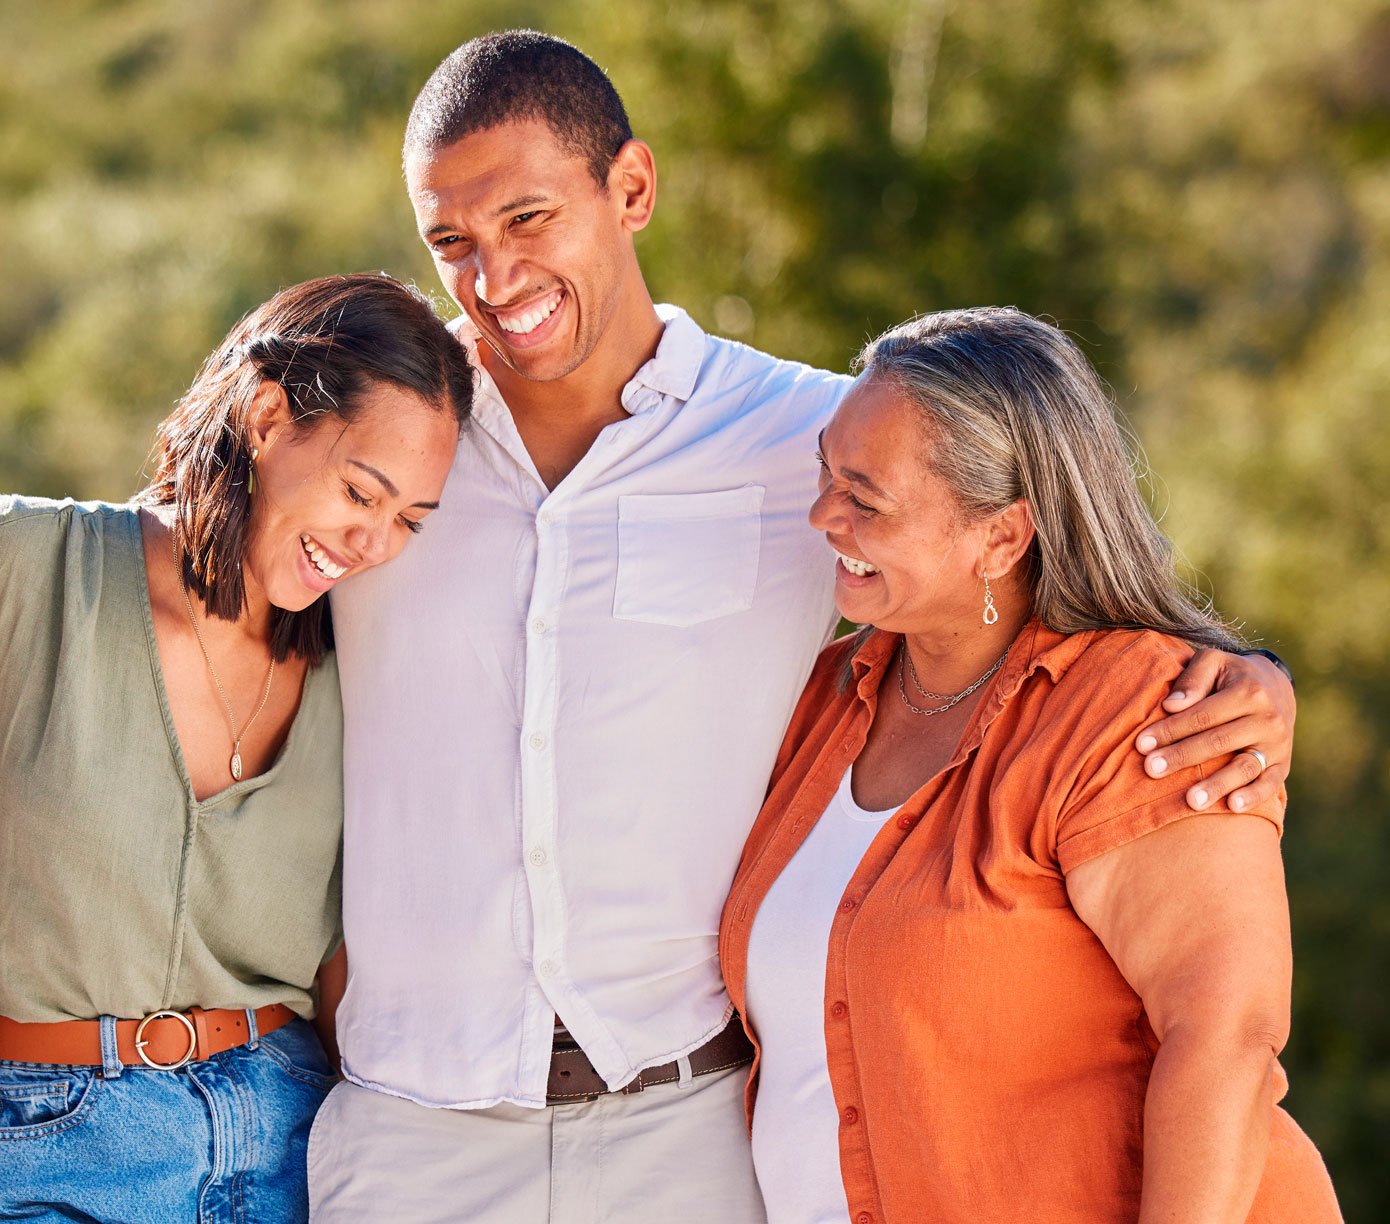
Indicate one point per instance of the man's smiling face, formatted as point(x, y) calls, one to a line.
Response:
point(526, 241)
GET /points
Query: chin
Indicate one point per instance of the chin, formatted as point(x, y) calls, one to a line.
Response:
point(289, 594)
point(543, 367)
point(301, 605)
point(294, 601)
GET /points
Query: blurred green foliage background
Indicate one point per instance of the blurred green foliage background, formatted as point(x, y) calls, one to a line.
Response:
point(1199, 191)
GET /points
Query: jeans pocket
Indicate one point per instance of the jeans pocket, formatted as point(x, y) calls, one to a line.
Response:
point(37, 1100)
point(299, 1053)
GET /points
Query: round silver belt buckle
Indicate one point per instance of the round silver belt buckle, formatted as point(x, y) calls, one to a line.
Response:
point(141, 1042)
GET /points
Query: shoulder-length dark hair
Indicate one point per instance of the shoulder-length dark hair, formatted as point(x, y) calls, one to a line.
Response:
point(326, 342)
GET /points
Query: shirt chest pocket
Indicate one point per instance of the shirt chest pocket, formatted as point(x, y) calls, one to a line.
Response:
point(684, 558)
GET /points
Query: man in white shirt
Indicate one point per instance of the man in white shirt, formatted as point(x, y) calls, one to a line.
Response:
point(563, 701)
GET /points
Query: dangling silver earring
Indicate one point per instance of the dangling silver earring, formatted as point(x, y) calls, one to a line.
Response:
point(991, 612)
point(251, 477)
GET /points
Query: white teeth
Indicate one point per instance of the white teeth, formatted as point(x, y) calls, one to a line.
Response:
point(857, 567)
point(320, 559)
point(523, 325)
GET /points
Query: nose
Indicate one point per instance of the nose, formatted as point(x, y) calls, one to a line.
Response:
point(498, 275)
point(372, 543)
point(824, 514)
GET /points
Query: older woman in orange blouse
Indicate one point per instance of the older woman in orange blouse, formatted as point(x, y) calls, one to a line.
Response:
point(996, 971)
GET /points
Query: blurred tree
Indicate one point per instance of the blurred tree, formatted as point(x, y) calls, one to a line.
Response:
point(1200, 193)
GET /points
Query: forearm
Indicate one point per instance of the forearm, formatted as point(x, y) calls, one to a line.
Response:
point(332, 982)
point(1206, 1126)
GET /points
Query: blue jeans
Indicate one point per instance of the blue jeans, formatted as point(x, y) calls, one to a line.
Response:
point(221, 1140)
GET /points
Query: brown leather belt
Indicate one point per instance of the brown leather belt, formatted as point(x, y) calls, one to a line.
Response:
point(573, 1078)
point(164, 1040)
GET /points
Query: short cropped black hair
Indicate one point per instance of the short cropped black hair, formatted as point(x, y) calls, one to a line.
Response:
point(516, 75)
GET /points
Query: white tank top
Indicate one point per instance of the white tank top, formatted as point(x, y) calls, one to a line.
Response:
point(796, 1126)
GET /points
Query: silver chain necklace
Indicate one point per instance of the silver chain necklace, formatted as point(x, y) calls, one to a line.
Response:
point(950, 700)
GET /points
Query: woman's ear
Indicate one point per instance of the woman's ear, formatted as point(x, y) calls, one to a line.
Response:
point(1007, 538)
point(269, 416)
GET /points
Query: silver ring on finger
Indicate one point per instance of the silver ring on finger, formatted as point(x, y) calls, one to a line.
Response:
point(1258, 755)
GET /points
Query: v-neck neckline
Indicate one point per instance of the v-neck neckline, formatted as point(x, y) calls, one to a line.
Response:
point(161, 693)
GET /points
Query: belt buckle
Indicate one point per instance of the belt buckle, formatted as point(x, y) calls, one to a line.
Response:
point(141, 1042)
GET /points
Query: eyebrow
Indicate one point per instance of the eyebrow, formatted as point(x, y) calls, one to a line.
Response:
point(850, 474)
point(386, 483)
point(524, 201)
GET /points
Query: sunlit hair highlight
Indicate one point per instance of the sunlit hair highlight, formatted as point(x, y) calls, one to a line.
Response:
point(327, 343)
point(1012, 409)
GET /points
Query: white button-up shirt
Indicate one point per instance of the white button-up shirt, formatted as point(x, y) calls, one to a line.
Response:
point(561, 711)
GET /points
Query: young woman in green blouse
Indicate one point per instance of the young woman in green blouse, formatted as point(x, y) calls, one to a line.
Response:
point(170, 763)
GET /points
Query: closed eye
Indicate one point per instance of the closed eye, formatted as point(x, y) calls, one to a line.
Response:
point(412, 526)
point(357, 497)
point(854, 501)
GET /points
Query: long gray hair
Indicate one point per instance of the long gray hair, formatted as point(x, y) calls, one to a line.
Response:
point(1013, 409)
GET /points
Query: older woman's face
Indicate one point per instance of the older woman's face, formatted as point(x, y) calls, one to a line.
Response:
point(334, 498)
point(906, 563)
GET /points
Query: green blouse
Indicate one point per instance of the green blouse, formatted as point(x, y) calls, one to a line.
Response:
point(120, 893)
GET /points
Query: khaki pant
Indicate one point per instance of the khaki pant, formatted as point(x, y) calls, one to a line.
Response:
point(668, 1155)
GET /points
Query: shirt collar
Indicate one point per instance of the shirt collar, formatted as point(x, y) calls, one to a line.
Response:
point(675, 365)
point(1036, 647)
point(671, 371)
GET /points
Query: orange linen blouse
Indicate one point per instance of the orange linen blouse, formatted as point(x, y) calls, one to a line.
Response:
point(987, 1058)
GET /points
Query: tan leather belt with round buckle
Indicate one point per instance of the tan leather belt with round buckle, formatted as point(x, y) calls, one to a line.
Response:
point(141, 1041)
point(164, 1040)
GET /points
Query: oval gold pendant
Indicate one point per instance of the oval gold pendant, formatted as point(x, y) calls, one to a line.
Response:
point(236, 767)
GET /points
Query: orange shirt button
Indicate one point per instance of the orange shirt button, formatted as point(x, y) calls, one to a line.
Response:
point(863, 1218)
point(850, 1115)
point(839, 1011)
point(847, 904)
point(906, 822)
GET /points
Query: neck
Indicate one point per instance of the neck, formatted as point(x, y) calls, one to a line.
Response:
point(559, 420)
point(166, 580)
point(590, 396)
point(950, 658)
point(254, 620)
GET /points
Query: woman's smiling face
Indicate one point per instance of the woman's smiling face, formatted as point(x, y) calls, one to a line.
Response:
point(906, 560)
point(333, 498)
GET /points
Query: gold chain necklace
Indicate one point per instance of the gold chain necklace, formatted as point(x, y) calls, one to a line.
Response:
point(235, 763)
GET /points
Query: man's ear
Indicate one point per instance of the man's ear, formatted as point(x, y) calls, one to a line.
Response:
point(1007, 538)
point(632, 184)
point(269, 418)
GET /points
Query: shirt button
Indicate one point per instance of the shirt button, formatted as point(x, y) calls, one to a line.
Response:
point(906, 822)
point(538, 626)
point(547, 968)
point(863, 1218)
point(538, 857)
point(538, 742)
point(850, 1115)
point(847, 904)
point(546, 518)
point(839, 1011)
